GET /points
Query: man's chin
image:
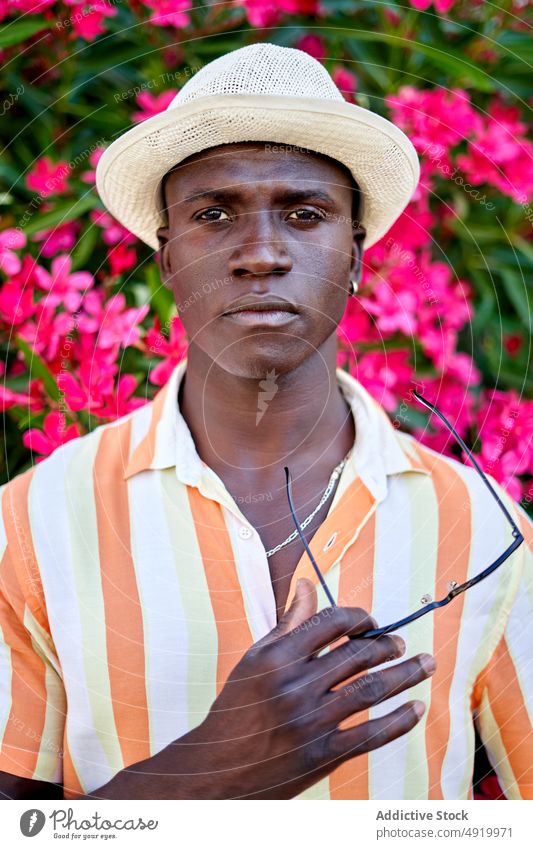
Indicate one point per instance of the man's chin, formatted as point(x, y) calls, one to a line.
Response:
point(255, 358)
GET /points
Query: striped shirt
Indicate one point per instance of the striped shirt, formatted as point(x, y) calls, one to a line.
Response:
point(131, 584)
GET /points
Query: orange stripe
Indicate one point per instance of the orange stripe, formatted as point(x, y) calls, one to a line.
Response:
point(511, 715)
point(123, 614)
point(144, 454)
point(350, 780)
point(454, 539)
point(234, 636)
point(21, 586)
point(350, 513)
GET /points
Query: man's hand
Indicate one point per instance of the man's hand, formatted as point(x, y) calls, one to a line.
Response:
point(273, 730)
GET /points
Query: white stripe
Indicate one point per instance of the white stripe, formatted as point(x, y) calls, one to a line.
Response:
point(3, 537)
point(140, 425)
point(49, 519)
point(391, 601)
point(166, 642)
point(5, 652)
point(5, 684)
point(481, 603)
point(254, 577)
point(519, 638)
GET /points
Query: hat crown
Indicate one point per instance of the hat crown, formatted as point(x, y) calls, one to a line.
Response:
point(257, 69)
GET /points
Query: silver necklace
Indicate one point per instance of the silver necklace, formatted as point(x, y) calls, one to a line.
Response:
point(334, 476)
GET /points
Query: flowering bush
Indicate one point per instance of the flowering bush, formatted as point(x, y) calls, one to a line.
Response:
point(87, 331)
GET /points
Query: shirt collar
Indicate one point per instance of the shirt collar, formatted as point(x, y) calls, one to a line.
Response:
point(379, 449)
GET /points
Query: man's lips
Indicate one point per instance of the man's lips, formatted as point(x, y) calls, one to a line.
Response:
point(265, 310)
point(270, 317)
point(254, 304)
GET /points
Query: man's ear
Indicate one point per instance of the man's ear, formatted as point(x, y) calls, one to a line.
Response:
point(356, 268)
point(163, 257)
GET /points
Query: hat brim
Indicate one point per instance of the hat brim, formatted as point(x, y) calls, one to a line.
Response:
point(381, 158)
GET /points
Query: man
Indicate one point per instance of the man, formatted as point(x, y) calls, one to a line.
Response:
point(157, 639)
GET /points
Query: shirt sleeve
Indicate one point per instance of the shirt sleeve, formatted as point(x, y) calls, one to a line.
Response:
point(32, 696)
point(504, 690)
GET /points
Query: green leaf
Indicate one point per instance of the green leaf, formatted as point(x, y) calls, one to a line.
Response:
point(16, 31)
point(161, 299)
point(519, 295)
point(517, 44)
point(38, 368)
point(64, 211)
point(460, 68)
point(84, 247)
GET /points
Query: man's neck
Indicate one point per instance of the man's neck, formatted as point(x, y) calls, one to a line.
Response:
point(244, 426)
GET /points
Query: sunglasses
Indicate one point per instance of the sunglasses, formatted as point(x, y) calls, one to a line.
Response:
point(455, 589)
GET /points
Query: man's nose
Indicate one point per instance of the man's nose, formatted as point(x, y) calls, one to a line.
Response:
point(261, 248)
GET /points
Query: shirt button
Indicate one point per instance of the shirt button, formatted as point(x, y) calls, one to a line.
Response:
point(244, 532)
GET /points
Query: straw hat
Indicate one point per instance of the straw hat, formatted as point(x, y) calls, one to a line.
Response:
point(268, 93)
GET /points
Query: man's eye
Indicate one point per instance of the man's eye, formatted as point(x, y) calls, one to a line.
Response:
point(306, 215)
point(214, 211)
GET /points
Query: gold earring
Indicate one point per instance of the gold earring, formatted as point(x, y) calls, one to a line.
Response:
point(354, 286)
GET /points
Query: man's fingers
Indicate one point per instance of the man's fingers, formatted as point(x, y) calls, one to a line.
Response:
point(355, 656)
point(328, 625)
point(303, 606)
point(377, 686)
point(375, 733)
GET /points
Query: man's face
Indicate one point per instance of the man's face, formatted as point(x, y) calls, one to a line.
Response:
point(249, 220)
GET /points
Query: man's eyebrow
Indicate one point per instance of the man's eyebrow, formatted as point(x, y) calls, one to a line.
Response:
point(286, 196)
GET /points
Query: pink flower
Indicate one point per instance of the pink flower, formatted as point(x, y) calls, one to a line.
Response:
point(11, 240)
point(412, 230)
point(87, 22)
point(122, 401)
point(173, 350)
point(113, 231)
point(355, 325)
point(299, 7)
point(62, 286)
point(16, 295)
point(394, 311)
point(9, 398)
point(46, 332)
point(47, 178)
point(513, 343)
point(434, 119)
point(505, 424)
point(457, 404)
point(261, 13)
point(501, 155)
point(51, 437)
point(33, 400)
point(94, 158)
point(152, 104)
point(441, 6)
point(314, 45)
point(265, 13)
point(169, 12)
point(62, 237)
point(387, 375)
point(16, 303)
point(461, 367)
point(121, 258)
point(346, 81)
point(30, 7)
point(110, 320)
point(87, 390)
